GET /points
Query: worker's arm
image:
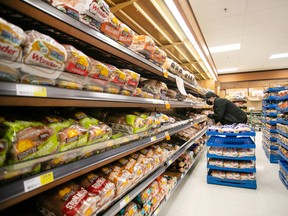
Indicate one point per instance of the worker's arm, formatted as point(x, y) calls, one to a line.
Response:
point(219, 111)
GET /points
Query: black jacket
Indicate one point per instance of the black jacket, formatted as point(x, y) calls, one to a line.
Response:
point(227, 112)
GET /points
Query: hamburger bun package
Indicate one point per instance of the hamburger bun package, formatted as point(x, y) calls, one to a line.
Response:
point(98, 185)
point(42, 50)
point(11, 39)
point(9, 74)
point(68, 199)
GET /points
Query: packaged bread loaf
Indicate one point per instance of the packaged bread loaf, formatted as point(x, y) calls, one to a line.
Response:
point(42, 50)
point(231, 164)
point(233, 175)
point(98, 185)
point(158, 56)
point(116, 81)
point(218, 174)
point(11, 39)
point(67, 6)
point(247, 176)
point(28, 139)
point(71, 81)
point(155, 87)
point(68, 199)
point(77, 62)
point(96, 9)
point(132, 81)
point(143, 44)
point(120, 177)
point(9, 74)
point(230, 152)
point(130, 210)
point(36, 80)
point(216, 162)
point(149, 159)
point(144, 196)
point(112, 27)
point(126, 35)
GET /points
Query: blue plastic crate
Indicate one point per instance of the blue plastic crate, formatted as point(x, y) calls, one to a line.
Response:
point(282, 110)
point(270, 106)
point(231, 158)
point(231, 169)
point(275, 89)
point(250, 184)
point(283, 156)
point(270, 114)
point(282, 133)
point(272, 158)
point(231, 142)
point(244, 134)
point(284, 98)
point(281, 121)
point(282, 144)
point(270, 130)
point(271, 98)
point(284, 165)
point(282, 178)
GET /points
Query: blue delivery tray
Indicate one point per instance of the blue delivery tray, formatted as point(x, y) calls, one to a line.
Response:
point(250, 184)
point(270, 106)
point(282, 156)
point(272, 158)
point(231, 158)
point(282, 133)
point(275, 89)
point(283, 180)
point(271, 98)
point(244, 134)
point(282, 110)
point(270, 114)
point(231, 142)
point(282, 144)
point(284, 165)
point(281, 121)
point(284, 98)
point(253, 170)
point(270, 130)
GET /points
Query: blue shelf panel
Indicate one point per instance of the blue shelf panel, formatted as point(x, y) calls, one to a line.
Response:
point(231, 142)
point(272, 158)
point(231, 158)
point(282, 110)
point(274, 89)
point(251, 184)
point(284, 165)
point(284, 98)
point(253, 170)
point(273, 123)
point(285, 183)
point(281, 121)
point(282, 133)
point(282, 144)
point(245, 134)
point(270, 106)
point(270, 130)
point(270, 114)
point(283, 156)
point(271, 98)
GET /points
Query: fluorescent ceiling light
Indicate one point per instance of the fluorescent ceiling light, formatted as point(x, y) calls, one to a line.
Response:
point(227, 70)
point(280, 55)
point(225, 48)
point(174, 10)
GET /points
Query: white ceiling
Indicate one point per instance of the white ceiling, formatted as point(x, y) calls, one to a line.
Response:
point(261, 26)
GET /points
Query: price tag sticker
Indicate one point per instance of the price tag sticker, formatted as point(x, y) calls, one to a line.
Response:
point(182, 176)
point(167, 135)
point(157, 211)
point(125, 201)
point(165, 73)
point(180, 85)
point(167, 105)
point(169, 162)
point(36, 91)
point(153, 138)
point(38, 181)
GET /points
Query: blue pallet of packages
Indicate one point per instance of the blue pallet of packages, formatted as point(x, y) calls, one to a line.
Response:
point(239, 142)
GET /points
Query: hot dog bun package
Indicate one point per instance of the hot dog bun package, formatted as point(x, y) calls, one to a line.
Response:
point(143, 44)
point(68, 199)
point(98, 185)
point(11, 39)
point(28, 140)
point(98, 76)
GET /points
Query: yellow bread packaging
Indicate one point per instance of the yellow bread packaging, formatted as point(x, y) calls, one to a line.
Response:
point(42, 50)
point(11, 39)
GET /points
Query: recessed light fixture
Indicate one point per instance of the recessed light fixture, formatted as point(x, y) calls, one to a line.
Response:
point(227, 70)
point(225, 48)
point(279, 55)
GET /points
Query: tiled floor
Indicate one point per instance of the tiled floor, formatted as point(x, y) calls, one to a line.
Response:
point(194, 197)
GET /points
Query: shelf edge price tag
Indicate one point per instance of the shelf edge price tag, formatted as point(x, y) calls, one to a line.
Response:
point(125, 201)
point(165, 73)
point(167, 135)
point(36, 91)
point(38, 181)
point(156, 212)
point(167, 105)
point(153, 138)
point(169, 162)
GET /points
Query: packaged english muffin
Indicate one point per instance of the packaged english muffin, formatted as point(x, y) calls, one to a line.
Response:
point(11, 39)
point(42, 50)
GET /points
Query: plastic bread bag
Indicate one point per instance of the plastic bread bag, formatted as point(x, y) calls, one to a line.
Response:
point(246, 164)
point(89, 21)
point(158, 56)
point(68, 199)
point(231, 164)
point(131, 165)
point(138, 93)
point(132, 80)
point(216, 162)
point(42, 50)
point(230, 152)
point(130, 210)
point(233, 175)
point(116, 81)
point(149, 120)
point(28, 139)
point(155, 87)
point(126, 35)
point(247, 176)
point(96, 9)
point(97, 132)
point(149, 159)
point(11, 39)
point(9, 74)
point(112, 27)
point(71, 81)
point(170, 148)
point(155, 188)
point(148, 95)
point(98, 185)
point(120, 177)
point(246, 152)
point(218, 174)
point(36, 80)
point(143, 44)
point(144, 196)
point(77, 62)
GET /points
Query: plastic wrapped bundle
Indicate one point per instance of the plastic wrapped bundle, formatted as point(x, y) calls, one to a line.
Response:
point(155, 87)
point(143, 44)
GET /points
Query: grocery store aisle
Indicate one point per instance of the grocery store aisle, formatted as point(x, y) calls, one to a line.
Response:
point(194, 197)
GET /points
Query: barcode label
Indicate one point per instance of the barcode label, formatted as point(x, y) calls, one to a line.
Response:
point(125, 201)
point(32, 184)
point(25, 90)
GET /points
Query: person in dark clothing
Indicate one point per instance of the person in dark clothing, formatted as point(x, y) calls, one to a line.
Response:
point(225, 111)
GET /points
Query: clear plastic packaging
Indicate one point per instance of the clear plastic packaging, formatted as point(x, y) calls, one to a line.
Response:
point(111, 28)
point(143, 44)
point(117, 80)
point(126, 35)
point(36, 80)
point(9, 74)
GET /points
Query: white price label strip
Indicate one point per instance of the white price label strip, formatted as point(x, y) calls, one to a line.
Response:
point(36, 91)
point(38, 181)
point(169, 162)
point(156, 212)
point(153, 138)
point(180, 85)
point(125, 201)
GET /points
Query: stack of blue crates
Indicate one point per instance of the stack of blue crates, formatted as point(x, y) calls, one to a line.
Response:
point(236, 141)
